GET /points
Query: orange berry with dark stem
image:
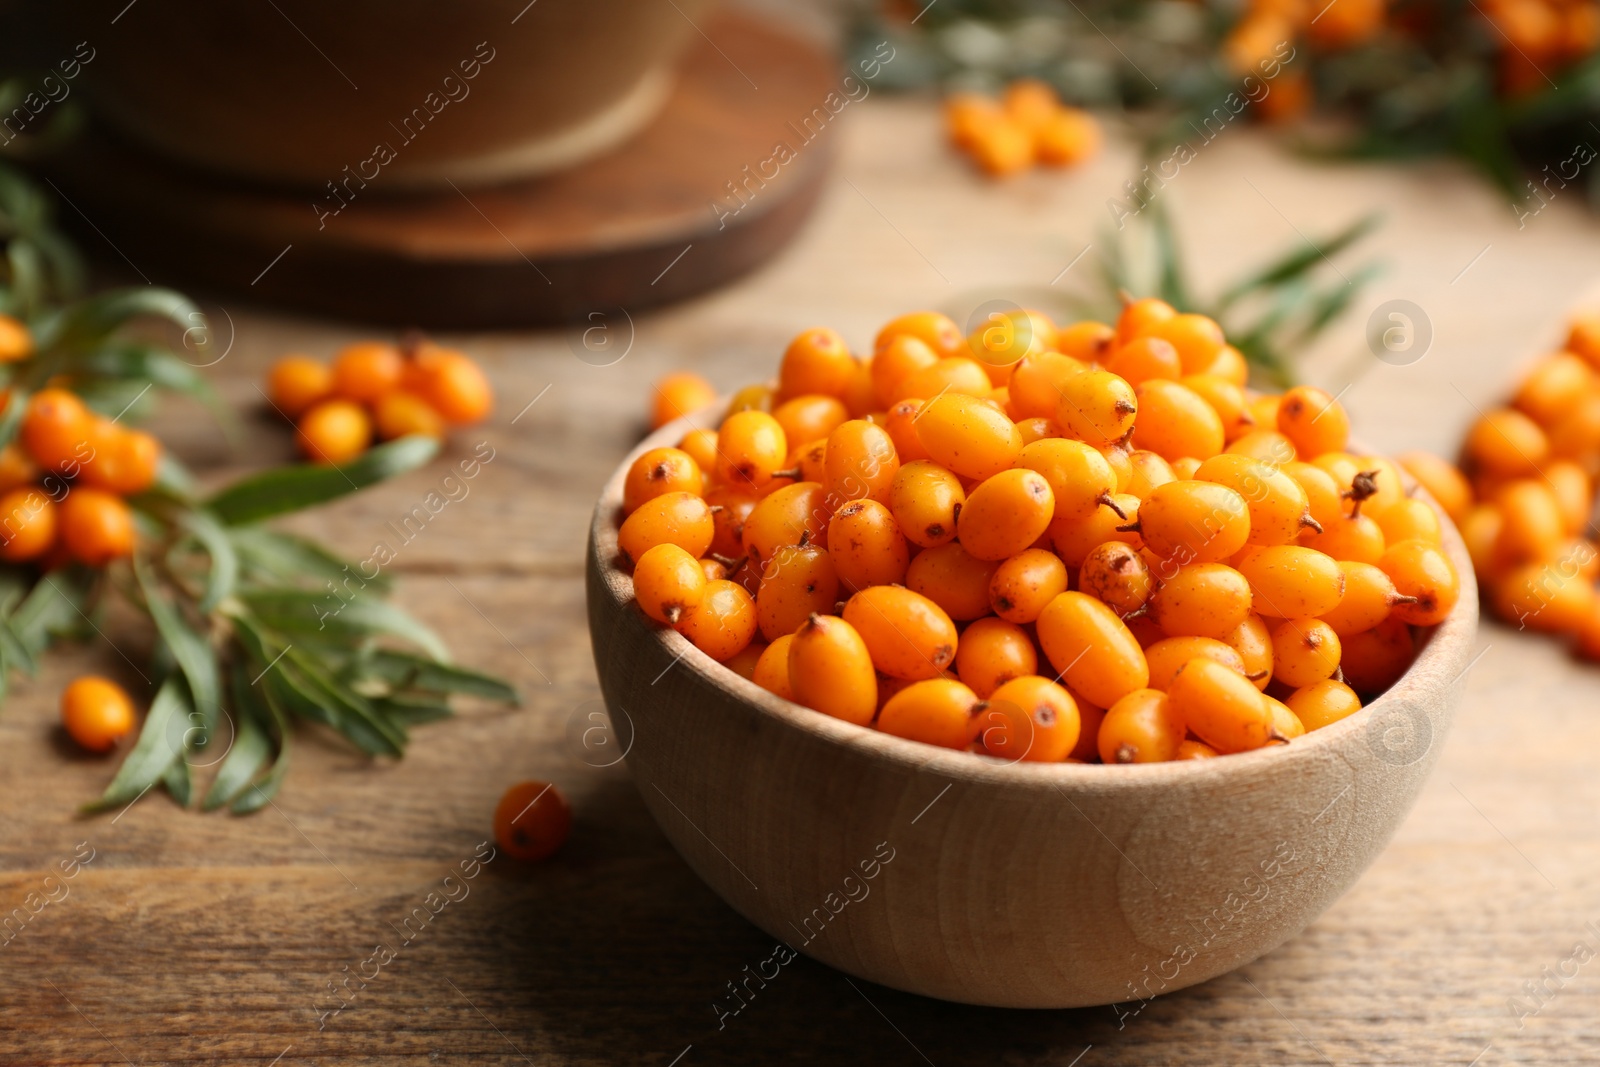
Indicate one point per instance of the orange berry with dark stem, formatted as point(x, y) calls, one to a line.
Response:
point(1368, 598)
point(901, 425)
point(1374, 659)
point(1313, 420)
point(297, 382)
point(532, 821)
point(96, 712)
point(1035, 384)
point(56, 430)
point(1194, 521)
point(795, 514)
point(1305, 651)
point(668, 581)
point(939, 332)
point(816, 361)
point(1140, 728)
point(660, 471)
point(751, 448)
point(1031, 719)
point(678, 395)
point(1202, 600)
point(1292, 581)
point(1097, 407)
point(681, 519)
point(1423, 573)
point(334, 432)
point(1279, 509)
point(992, 652)
point(1355, 538)
point(1324, 499)
point(1253, 641)
point(1174, 421)
point(1115, 574)
point(1021, 586)
point(954, 579)
point(907, 635)
point(830, 670)
point(797, 582)
point(1220, 706)
point(1078, 476)
point(938, 711)
point(1167, 657)
point(1323, 703)
point(28, 522)
point(860, 462)
point(1087, 341)
point(1139, 317)
point(772, 668)
point(1092, 649)
point(364, 371)
point(722, 623)
point(867, 546)
point(96, 526)
point(731, 507)
point(1074, 539)
point(926, 500)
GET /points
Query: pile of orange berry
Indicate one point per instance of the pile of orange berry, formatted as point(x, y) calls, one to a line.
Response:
point(1523, 494)
point(1085, 542)
point(376, 389)
point(62, 483)
point(1029, 125)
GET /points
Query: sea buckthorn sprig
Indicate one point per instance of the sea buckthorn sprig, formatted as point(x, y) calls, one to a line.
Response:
point(1029, 124)
point(1091, 542)
point(375, 390)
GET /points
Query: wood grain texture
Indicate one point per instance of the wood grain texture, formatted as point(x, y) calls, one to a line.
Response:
point(206, 940)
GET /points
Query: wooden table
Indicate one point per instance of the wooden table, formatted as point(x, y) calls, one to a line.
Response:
point(212, 939)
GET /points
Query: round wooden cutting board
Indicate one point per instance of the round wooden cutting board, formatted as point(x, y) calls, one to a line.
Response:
point(718, 183)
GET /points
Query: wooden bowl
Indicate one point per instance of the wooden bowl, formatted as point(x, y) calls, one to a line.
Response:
point(963, 877)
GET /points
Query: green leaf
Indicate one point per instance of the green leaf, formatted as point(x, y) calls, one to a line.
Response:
point(259, 794)
point(86, 322)
point(295, 559)
point(411, 711)
point(356, 718)
point(54, 606)
point(285, 489)
point(192, 651)
point(401, 670)
point(153, 753)
point(224, 572)
point(1297, 262)
point(139, 362)
point(173, 479)
point(251, 745)
point(311, 613)
point(179, 782)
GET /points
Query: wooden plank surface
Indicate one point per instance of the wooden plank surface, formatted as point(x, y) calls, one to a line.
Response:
point(210, 939)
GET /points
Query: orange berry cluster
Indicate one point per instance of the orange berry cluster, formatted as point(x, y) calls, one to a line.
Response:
point(1090, 542)
point(1523, 494)
point(376, 389)
point(62, 483)
point(1029, 125)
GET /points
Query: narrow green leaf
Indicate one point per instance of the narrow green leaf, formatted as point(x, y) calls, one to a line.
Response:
point(285, 489)
point(251, 745)
point(192, 651)
point(256, 796)
point(179, 782)
point(356, 718)
point(87, 321)
point(147, 763)
point(54, 606)
point(313, 613)
point(411, 711)
point(1297, 262)
point(294, 559)
point(401, 670)
point(224, 572)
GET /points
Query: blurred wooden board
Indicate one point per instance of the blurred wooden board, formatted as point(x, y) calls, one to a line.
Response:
point(652, 221)
point(207, 939)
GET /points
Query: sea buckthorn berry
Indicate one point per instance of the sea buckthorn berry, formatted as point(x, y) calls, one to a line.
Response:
point(1480, 532)
point(681, 519)
point(1115, 574)
point(334, 432)
point(795, 514)
point(96, 526)
point(908, 635)
point(1087, 341)
point(701, 445)
point(678, 395)
point(1175, 421)
point(667, 581)
point(1192, 749)
point(954, 374)
point(1388, 488)
point(968, 437)
point(1092, 648)
point(1507, 444)
point(1304, 651)
point(926, 500)
point(1268, 446)
point(1201, 600)
point(797, 582)
point(750, 398)
point(1030, 719)
point(1576, 434)
point(1355, 537)
point(860, 462)
point(954, 579)
point(1167, 657)
point(1286, 724)
point(807, 418)
point(1090, 716)
point(1324, 498)
point(1145, 359)
point(1323, 703)
point(860, 398)
point(901, 425)
point(1422, 572)
point(1037, 429)
point(1374, 659)
point(28, 522)
point(96, 712)
point(297, 382)
point(1230, 365)
point(1532, 521)
point(364, 371)
point(1147, 470)
point(1074, 539)
point(899, 358)
point(1139, 317)
point(401, 414)
point(1183, 469)
point(124, 461)
point(1005, 514)
point(1264, 409)
point(1004, 338)
point(1253, 641)
point(1194, 521)
point(751, 448)
point(1573, 492)
point(1197, 339)
point(1220, 706)
point(936, 712)
point(660, 471)
point(16, 468)
point(16, 342)
point(867, 546)
point(1292, 581)
point(1079, 477)
point(1543, 596)
point(1368, 598)
point(743, 663)
point(1140, 728)
point(723, 623)
point(731, 507)
point(1022, 585)
point(1035, 384)
point(1030, 102)
point(1554, 387)
point(772, 668)
point(1226, 399)
point(452, 384)
point(532, 821)
point(811, 461)
point(1003, 147)
point(938, 332)
point(993, 652)
point(1410, 520)
point(816, 361)
point(1117, 456)
point(56, 429)
point(1096, 407)
point(1279, 508)
point(1313, 420)
point(830, 670)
